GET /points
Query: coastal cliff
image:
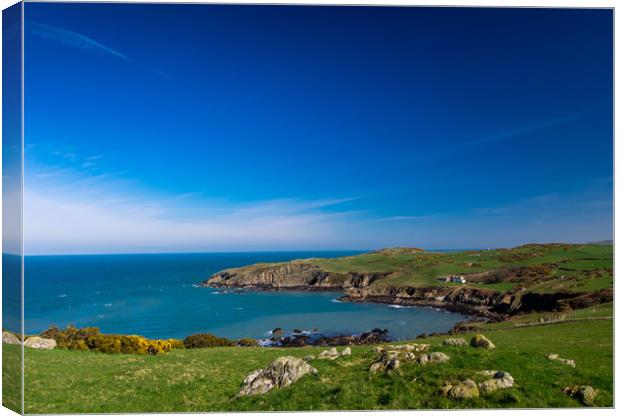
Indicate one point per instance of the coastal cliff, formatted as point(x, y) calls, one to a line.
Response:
point(519, 280)
point(293, 275)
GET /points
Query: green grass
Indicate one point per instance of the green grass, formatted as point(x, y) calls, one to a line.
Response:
point(11, 377)
point(208, 379)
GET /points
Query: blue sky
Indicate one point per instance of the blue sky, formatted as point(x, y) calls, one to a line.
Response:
point(154, 128)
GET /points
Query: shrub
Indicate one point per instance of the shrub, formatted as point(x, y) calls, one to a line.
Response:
point(247, 342)
point(91, 338)
point(206, 341)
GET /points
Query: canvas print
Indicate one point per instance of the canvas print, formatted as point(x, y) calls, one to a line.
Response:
point(291, 208)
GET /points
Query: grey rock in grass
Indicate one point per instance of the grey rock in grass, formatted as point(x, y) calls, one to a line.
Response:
point(309, 357)
point(282, 372)
point(585, 394)
point(461, 390)
point(480, 341)
point(330, 354)
point(385, 364)
point(499, 380)
point(40, 343)
point(556, 357)
point(433, 357)
point(454, 342)
point(8, 338)
point(346, 351)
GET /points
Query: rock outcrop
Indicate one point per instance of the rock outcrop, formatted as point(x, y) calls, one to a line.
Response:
point(282, 372)
point(480, 341)
point(8, 338)
point(330, 354)
point(499, 380)
point(40, 343)
point(454, 342)
point(460, 390)
point(565, 361)
point(433, 357)
point(585, 394)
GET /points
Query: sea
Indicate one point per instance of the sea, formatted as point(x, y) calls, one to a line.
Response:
point(157, 296)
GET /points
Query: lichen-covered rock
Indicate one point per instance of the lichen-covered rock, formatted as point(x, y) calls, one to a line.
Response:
point(433, 357)
point(8, 338)
point(282, 372)
point(40, 343)
point(480, 341)
point(499, 380)
point(461, 390)
point(346, 351)
point(385, 365)
point(330, 354)
point(565, 361)
point(454, 342)
point(585, 394)
point(391, 360)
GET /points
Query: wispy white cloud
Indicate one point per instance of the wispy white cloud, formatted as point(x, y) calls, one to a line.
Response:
point(73, 39)
point(515, 132)
point(78, 213)
point(79, 41)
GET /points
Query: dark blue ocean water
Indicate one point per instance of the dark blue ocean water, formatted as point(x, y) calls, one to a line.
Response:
point(154, 295)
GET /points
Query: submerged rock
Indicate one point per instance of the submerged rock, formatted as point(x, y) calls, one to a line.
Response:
point(282, 372)
point(480, 341)
point(585, 394)
point(8, 338)
point(461, 390)
point(40, 343)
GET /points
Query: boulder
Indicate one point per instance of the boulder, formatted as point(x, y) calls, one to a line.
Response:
point(433, 357)
point(480, 341)
point(40, 343)
point(454, 342)
point(346, 351)
point(277, 332)
point(565, 361)
point(585, 394)
point(330, 354)
point(8, 338)
point(385, 365)
point(499, 380)
point(282, 372)
point(309, 357)
point(461, 390)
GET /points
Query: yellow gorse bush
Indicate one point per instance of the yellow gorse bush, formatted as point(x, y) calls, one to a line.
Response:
point(92, 339)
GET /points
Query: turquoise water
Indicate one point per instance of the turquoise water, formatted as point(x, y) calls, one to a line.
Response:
point(155, 295)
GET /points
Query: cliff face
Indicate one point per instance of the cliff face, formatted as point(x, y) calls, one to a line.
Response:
point(293, 275)
point(466, 300)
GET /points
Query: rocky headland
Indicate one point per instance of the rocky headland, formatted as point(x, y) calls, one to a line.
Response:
point(383, 286)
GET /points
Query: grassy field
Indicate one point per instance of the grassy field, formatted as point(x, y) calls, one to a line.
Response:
point(540, 268)
point(208, 379)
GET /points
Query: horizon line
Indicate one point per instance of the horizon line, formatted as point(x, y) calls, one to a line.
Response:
point(366, 250)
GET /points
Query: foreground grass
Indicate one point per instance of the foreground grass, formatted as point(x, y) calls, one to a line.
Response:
point(208, 379)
